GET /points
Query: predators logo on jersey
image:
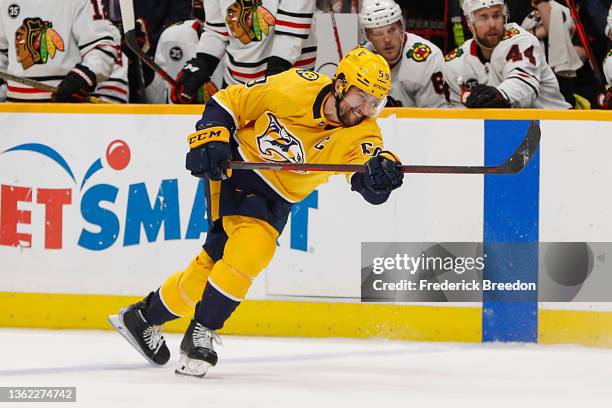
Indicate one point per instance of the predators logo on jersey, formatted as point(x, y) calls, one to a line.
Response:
point(249, 21)
point(36, 41)
point(419, 52)
point(278, 145)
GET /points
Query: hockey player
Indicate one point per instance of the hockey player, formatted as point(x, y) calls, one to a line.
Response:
point(416, 64)
point(605, 99)
point(254, 38)
point(116, 88)
point(502, 66)
point(177, 45)
point(67, 44)
point(298, 116)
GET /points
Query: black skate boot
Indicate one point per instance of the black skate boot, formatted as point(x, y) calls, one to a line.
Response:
point(197, 350)
point(144, 337)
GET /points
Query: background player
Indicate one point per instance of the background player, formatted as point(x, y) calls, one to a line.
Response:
point(254, 38)
point(177, 45)
point(67, 44)
point(298, 116)
point(502, 66)
point(416, 63)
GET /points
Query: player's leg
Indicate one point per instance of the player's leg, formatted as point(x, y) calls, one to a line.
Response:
point(250, 247)
point(140, 323)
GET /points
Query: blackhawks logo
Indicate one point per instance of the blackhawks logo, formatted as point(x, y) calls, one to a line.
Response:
point(456, 53)
point(36, 41)
point(419, 52)
point(249, 21)
point(511, 33)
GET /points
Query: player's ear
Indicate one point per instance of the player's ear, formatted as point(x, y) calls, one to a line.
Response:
point(339, 86)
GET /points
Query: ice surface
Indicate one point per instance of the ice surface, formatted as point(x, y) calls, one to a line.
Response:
point(313, 373)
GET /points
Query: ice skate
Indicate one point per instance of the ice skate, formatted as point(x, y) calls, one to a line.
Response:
point(197, 350)
point(144, 337)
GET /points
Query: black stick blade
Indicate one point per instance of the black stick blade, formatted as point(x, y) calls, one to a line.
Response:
point(523, 154)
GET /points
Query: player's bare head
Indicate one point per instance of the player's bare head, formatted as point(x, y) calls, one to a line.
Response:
point(388, 41)
point(383, 25)
point(486, 19)
point(361, 86)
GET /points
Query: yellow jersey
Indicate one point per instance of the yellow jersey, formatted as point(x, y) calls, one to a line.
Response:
point(280, 119)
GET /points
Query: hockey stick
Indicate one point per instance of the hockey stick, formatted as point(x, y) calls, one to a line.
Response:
point(335, 28)
point(515, 163)
point(41, 86)
point(129, 30)
point(585, 42)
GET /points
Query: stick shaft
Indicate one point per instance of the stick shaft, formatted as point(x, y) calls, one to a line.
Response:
point(352, 168)
point(585, 42)
point(28, 81)
point(130, 40)
point(335, 29)
point(40, 85)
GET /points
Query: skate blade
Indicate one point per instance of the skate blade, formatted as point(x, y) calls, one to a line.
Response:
point(117, 322)
point(192, 368)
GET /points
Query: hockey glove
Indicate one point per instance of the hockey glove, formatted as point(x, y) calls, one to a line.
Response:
point(604, 100)
point(189, 81)
point(209, 160)
point(76, 86)
point(382, 173)
point(484, 96)
point(209, 152)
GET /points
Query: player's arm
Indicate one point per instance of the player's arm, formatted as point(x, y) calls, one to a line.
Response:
point(604, 100)
point(228, 110)
point(98, 41)
point(211, 47)
point(382, 174)
point(455, 72)
point(293, 26)
point(521, 74)
point(435, 93)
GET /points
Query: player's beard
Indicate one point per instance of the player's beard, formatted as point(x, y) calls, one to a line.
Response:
point(346, 115)
point(491, 39)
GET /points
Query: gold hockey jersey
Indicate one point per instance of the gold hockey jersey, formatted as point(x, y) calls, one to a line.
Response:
point(280, 119)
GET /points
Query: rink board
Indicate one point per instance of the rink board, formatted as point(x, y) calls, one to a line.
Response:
point(125, 224)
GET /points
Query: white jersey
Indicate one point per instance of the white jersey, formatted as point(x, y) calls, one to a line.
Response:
point(116, 88)
point(243, 35)
point(418, 79)
point(43, 40)
point(177, 44)
point(517, 68)
point(607, 67)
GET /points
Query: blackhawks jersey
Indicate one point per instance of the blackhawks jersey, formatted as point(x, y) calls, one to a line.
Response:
point(280, 119)
point(244, 33)
point(44, 40)
point(177, 45)
point(115, 89)
point(417, 80)
point(517, 68)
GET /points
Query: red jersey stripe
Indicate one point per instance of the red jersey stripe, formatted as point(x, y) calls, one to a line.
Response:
point(113, 88)
point(245, 75)
point(292, 25)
